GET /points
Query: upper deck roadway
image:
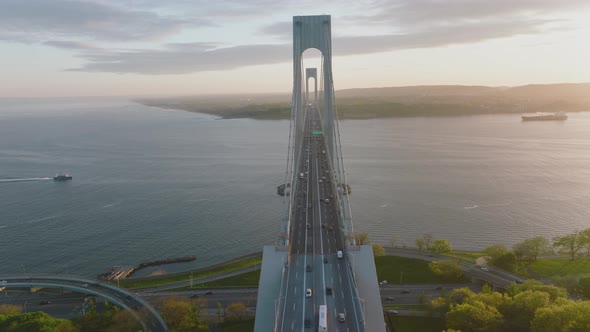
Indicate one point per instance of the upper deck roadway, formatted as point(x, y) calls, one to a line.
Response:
point(315, 238)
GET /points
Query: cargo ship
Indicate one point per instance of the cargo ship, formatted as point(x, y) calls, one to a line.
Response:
point(559, 116)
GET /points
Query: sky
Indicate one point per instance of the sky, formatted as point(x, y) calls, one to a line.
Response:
point(58, 48)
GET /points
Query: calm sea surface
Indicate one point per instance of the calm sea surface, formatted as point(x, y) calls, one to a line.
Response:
point(152, 183)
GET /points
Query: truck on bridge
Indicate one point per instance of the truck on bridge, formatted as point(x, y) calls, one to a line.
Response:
point(323, 324)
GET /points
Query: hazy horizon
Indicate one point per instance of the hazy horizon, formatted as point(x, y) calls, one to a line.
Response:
point(277, 93)
point(186, 48)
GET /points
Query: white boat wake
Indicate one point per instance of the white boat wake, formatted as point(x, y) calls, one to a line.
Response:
point(23, 180)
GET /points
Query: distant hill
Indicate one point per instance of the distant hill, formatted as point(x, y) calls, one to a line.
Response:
point(420, 90)
point(407, 101)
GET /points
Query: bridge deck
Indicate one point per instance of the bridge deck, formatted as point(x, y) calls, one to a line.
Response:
point(315, 238)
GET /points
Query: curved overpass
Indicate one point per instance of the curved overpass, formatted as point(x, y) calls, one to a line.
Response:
point(151, 319)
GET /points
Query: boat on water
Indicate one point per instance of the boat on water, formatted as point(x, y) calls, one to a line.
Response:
point(63, 176)
point(558, 116)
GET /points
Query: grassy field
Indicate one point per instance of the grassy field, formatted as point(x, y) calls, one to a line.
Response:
point(407, 270)
point(186, 276)
point(466, 255)
point(413, 324)
point(553, 267)
point(248, 279)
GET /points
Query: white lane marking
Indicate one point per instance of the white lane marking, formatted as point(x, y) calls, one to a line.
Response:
point(321, 238)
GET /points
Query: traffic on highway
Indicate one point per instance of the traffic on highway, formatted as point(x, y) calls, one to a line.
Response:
point(319, 292)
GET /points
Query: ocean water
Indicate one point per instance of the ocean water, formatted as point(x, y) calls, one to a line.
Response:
point(151, 183)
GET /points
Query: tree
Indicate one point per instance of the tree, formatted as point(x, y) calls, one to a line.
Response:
point(393, 241)
point(585, 234)
point(35, 321)
point(569, 244)
point(123, 321)
point(564, 316)
point(569, 282)
point(378, 250)
point(10, 309)
point(460, 295)
point(507, 261)
point(181, 314)
point(236, 310)
point(555, 293)
point(361, 238)
point(420, 243)
point(428, 238)
point(474, 317)
point(441, 246)
point(448, 269)
point(584, 287)
point(495, 251)
point(521, 310)
point(530, 249)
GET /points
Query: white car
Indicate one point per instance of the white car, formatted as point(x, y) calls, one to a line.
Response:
point(308, 292)
point(341, 317)
point(484, 268)
point(384, 282)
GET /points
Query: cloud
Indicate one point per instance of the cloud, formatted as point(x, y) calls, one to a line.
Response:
point(403, 24)
point(411, 13)
point(195, 57)
point(183, 58)
point(71, 45)
point(279, 29)
point(38, 20)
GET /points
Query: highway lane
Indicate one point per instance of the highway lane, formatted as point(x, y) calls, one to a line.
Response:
point(316, 235)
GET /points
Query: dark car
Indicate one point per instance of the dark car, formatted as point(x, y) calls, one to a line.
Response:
point(194, 296)
point(439, 288)
point(307, 323)
point(405, 291)
point(308, 269)
point(389, 298)
point(44, 302)
point(325, 260)
point(209, 292)
point(329, 290)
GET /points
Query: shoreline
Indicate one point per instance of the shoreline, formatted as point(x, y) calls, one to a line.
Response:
point(348, 110)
